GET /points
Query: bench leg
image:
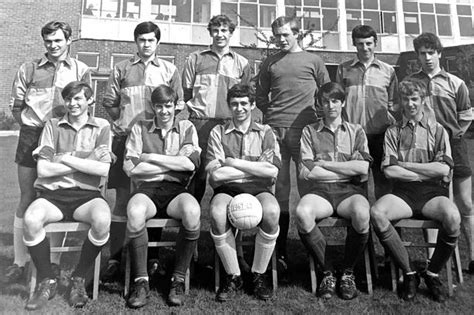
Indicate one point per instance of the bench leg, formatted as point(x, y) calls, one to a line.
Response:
point(217, 271)
point(457, 262)
point(368, 272)
point(312, 272)
point(95, 290)
point(274, 271)
point(127, 271)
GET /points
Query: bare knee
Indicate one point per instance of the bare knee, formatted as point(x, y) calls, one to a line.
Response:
point(191, 217)
point(136, 218)
point(33, 222)
point(378, 217)
point(360, 219)
point(101, 223)
point(271, 216)
point(304, 218)
point(452, 221)
point(219, 222)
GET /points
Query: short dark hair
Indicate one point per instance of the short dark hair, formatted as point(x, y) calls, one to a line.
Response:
point(164, 94)
point(410, 86)
point(427, 40)
point(54, 26)
point(333, 90)
point(282, 20)
point(221, 19)
point(363, 31)
point(241, 90)
point(74, 87)
point(147, 27)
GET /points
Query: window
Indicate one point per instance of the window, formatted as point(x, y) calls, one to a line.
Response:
point(131, 9)
point(182, 11)
point(427, 16)
point(250, 13)
point(466, 22)
point(314, 15)
point(91, 59)
point(379, 14)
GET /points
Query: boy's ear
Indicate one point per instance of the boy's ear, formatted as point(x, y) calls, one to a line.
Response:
point(90, 101)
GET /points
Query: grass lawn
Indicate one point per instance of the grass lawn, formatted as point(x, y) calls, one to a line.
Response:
point(294, 297)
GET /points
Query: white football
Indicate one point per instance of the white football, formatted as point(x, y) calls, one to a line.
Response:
point(244, 211)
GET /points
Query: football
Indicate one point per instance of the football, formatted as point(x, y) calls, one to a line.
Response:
point(244, 211)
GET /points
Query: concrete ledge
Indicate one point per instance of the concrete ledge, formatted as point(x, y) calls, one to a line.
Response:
point(6, 133)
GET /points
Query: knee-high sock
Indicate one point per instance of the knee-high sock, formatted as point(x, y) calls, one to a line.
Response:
point(264, 247)
point(315, 243)
point(185, 246)
point(354, 247)
point(40, 253)
point(225, 247)
point(138, 247)
point(443, 250)
point(19, 249)
point(467, 226)
point(154, 235)
point(90, 249)
point(117, 237)
point(393, 244)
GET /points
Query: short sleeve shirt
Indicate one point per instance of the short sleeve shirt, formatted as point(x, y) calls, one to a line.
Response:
point(146, 137)
point(59, 138)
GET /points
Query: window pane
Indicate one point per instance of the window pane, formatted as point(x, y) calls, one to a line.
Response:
point(293, 2)
point(428, 23)
point(202, 11)
point(442, 8)
point(329, 3)
point(110, 8)
point(314, 3)
point(388, 5)
point(444, 25)
point(131, 9)
point(411, 24)
point(160, 9)
point(389, 23)
point(267, 15)
point(465, 25)
point(464, 9)
point(183, 10)
point(311, 19)
point(371, 4)
point(426, 7)
point(230, 9)
point(410, 6)
point(330, 20)
point(248, 14)
point(268, 2)
point(353, 19)
point(292, 11)
point(91, 7)
point(372, 18)
point(353, 4)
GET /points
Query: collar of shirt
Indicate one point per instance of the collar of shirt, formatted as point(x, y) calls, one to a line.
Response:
point(322, 126)
point(230, 127)
point(154, 126)
point(90, 121)
point(44, 60)
point(155, 61)
point(441, 73)
point(374, 62)
point(209, 51)
point(423, 122)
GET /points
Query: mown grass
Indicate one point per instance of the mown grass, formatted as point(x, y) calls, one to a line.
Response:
point(294, 297)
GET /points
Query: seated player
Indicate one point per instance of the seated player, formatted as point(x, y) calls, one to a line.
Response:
point(243, 157)
point(335, 162)
point(417, 156)
point(160, 157)
point(73, 157)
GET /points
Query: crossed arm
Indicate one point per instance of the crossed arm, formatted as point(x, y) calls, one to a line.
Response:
point(154, 164)
point(411, 171)
point(332, 170)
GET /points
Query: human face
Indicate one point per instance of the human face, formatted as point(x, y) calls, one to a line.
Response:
point(285, 39)
point(146, 44)
point(332, 107)
point(78, 105)
point(220, 36)
point(412, 105)
point(241, 108)
point(365, 48)
point(164, 112)
point(429, 59)
point(56, 45)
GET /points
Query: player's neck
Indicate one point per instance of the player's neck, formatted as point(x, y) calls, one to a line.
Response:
point(57, 60)
point(367, 62)
point(433, 72)
point(165, 126)
point(78, 121)
point(333, 123)
point(147, 60)
point(242, 126)
point(220, 51)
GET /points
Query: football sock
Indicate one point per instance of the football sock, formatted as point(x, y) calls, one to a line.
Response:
point(90, 249)
point(117, 237)
point(354, 247)
point(185, 246)
point(138, 247)
point(467, 225)
point(393, 244)
point(154, 235)
point(40, 255)
point(264, 247)
point(443, 250)
point(315, 243)
point(284, 224)
point(225, 247)
point(19, 249)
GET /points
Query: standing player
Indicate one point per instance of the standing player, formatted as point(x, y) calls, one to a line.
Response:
point(207, 77)
point(335, 162)
point(36, 97)
point(161, 155)
point(243, 157)
point(287, 86)
point(417, 156)
point(128, 100)
point(372, 97)
point(73, 158)
point(448, 98)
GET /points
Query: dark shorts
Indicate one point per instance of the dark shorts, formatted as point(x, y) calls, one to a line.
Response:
point(27, 143)
point(462, 167)
point(117, 176)
point(375, 144)
point(68, 200)
point(161, 194)
point(417, 194)
point(234, 190)
point(335, 193)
